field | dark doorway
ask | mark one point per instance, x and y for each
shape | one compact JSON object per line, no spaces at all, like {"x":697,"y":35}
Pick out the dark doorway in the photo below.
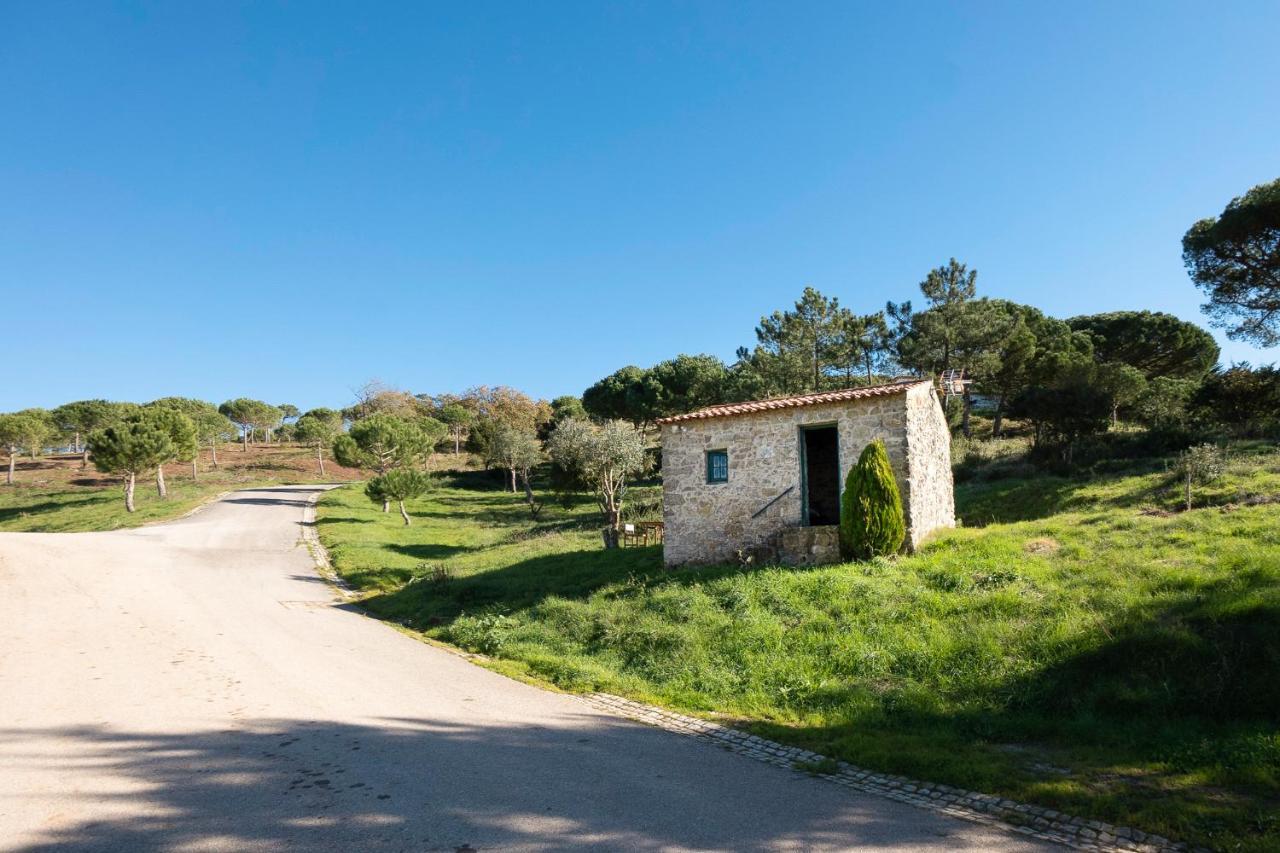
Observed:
{"x":821,"y":464}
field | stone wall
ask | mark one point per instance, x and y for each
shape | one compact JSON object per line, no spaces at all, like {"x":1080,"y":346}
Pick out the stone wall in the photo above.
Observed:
{"x":930,"y":497}
{"x":713,"y":522}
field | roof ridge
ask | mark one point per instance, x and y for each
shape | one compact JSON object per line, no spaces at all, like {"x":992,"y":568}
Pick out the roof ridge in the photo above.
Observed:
{"x":795,"y":401}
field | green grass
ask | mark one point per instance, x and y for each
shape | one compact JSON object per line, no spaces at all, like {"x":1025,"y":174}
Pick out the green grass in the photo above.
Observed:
{"x":57,"y":509}
{"x":1078,"y":644}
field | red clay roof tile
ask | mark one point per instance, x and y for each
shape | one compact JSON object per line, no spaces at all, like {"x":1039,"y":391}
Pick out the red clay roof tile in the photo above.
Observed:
{"x":730,"y":409}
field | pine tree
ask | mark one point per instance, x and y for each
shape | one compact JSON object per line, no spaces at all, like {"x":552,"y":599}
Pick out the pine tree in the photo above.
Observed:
{"x":871,"y":518}
{"x":399,"y":485}
{"x":132,"y":447}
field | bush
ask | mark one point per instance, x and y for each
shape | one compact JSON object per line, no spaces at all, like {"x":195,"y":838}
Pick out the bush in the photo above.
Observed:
{"x":871,"y":519}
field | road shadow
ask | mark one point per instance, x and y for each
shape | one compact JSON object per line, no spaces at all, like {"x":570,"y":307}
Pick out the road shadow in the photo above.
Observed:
{"x":590,"y":782}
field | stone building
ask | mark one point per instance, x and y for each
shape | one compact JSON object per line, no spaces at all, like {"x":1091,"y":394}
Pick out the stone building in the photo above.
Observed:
{"x":763,"y":479}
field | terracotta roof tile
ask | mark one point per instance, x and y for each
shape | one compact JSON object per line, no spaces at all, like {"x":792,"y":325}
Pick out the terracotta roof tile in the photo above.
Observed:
{"x":731,"y":409}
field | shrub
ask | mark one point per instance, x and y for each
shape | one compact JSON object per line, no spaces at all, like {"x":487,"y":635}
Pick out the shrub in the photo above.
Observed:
{"x":871,"y":519}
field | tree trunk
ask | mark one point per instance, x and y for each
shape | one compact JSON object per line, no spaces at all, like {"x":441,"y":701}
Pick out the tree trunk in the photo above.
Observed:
{"x":457,"y":439}
{"x":245,"y":435}
{"x":320,"y":457}
{"x":213,"y":451}
{"x":160,"y":488}
{"x":513,"y":481}
{"x":386,"y":506}
{"x":528,"y":490}
{"x":997,"y":422}
{"x":76,"y":446}
{"x":195,"y":470}
{"x":614,"y":520}
{"x":1188,"y":490}
{"x":84,"y":459}
{"x":13,"y":454}
{"x":404,"y":513}
{"x":129,"y":482}
{"x":610,"y":537}
{"x":964,"y":417}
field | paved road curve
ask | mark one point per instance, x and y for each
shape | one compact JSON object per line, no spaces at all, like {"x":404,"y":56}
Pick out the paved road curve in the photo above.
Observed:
{"x":194,"y":686}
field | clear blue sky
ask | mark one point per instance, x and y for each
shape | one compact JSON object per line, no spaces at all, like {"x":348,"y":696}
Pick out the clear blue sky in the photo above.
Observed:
{"x":282,"y":201}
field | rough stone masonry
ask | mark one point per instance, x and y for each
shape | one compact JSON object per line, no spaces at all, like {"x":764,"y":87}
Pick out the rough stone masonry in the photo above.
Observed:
{"x":740,"y":479}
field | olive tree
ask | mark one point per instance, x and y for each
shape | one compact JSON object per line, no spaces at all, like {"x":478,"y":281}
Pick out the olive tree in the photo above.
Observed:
{"x":1202,"y":463}
{"x":399,"y":485}
{"x":603,"y":457}
{"x":519,"y":452}
{"x":319,"y":427}
{"x":132,"y":447}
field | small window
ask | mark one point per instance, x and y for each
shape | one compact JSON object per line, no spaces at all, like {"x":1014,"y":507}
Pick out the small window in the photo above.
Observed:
{"x":717,"y":466}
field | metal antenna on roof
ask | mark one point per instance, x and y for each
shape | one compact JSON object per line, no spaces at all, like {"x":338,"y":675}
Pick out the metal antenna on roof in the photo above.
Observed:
{"x":953,"y":383}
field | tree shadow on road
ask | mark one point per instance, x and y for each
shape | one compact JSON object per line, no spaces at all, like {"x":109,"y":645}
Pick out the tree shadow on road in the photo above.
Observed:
{"x":588,"y":782}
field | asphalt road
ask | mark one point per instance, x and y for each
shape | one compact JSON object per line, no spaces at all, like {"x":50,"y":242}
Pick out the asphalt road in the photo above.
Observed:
{"x":196,"y":686}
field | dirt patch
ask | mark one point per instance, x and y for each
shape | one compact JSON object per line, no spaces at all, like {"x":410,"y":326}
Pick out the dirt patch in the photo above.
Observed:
{"x":1041,"y":545}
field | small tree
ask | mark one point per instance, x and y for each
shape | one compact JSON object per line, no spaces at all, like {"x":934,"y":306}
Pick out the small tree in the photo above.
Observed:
{"x":18,"y":432}
{"x":458,"y":420}
{"x":603,"y":457}
{"x":130,"y":448}
{"x":399,"y":485}
{"x":871,"y":518}
{"x":1202,"y":463}
{"x":182,"y":439}
{"x":519,"y":452}
{"x":83,"y":417}
{"x":319,"y":427}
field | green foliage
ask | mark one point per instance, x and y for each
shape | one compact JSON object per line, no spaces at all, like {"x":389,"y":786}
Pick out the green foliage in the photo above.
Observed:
{"x":603,"y":457}
{"x":24,"y":431}
{"x":84,"y":416}
{"x":134,"y":446}
{"x":1064,"y":414}
{"x":1155,"y":343}
{"x":872,"y":523}
{"x":1163,"y":404}
{"x":382,"y":442}
{"x":318,"y":426}
{"x":1243,"y":398}
{"x":180,"y":429}
{"x":210,"y":424}
{"x":250,"y":414}
{"x":1235,"y":259}
{"x":1200,"y":464}
{"x":630,"y":394}
{"x":400,"y":485}
{"x":566,"y":407}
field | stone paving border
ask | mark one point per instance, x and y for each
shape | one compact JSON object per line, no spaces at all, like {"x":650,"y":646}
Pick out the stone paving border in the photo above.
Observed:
{"x":1033,"y":821}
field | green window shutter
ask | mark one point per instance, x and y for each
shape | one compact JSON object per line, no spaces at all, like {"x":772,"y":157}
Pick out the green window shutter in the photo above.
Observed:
{"x":717,"y":466}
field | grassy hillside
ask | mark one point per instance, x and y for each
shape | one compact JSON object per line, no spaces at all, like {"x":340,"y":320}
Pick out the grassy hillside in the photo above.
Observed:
{"x":1079,"y":643}
{"x":53,"y":494}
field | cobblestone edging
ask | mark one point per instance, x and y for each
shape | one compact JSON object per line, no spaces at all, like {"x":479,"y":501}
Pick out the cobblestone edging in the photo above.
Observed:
{"x":1033,"y":821}
{"x":311,"y":539}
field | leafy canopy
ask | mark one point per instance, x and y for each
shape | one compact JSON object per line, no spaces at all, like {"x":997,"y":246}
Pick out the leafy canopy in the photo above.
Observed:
{"x":1235,"y":259}
{"x":132,"y":447}
{"x":1155,"y":343}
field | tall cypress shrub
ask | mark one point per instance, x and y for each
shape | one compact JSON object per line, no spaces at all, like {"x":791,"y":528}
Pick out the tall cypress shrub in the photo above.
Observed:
{"x":871,"y":518}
